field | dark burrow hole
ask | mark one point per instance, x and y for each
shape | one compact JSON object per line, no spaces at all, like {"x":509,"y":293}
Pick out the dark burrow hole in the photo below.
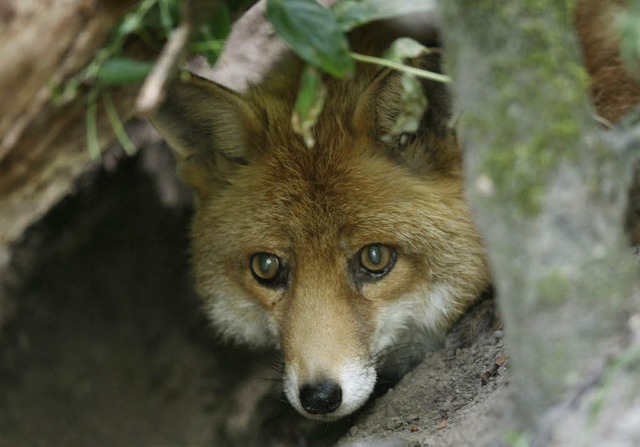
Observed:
{"x":107,"y":345}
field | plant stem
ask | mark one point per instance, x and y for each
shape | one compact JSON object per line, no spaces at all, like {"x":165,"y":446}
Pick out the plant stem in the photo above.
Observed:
{"x":401,"y":67}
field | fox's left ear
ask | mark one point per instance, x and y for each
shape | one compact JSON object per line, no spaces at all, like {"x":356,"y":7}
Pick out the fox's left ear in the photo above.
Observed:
{"x":381,"y":104}
{"x":210,"y":128}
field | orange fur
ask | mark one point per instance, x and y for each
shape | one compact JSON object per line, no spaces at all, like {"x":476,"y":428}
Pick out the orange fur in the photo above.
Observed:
{"x":613,"y":89}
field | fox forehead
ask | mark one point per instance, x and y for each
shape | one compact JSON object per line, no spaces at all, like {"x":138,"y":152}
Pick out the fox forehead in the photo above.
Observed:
{"x":335,"y":197}
{"x":347,"y":188}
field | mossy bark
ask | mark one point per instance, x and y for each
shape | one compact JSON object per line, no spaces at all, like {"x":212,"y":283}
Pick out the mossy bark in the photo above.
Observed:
{"x":548,"y":194}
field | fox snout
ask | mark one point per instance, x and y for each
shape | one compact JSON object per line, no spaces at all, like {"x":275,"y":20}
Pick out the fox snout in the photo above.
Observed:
{"x":322,"y":397}
{"x":329,"y":396}
{"x":325,"y":339}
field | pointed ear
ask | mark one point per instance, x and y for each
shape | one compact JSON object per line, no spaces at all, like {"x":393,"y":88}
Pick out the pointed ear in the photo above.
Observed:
{"x":210,"y":128}
{"x":382,"y":102}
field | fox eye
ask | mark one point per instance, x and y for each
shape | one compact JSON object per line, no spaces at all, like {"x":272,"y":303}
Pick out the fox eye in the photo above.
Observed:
{"x":377,"y":259}
{"x":266,"y":268}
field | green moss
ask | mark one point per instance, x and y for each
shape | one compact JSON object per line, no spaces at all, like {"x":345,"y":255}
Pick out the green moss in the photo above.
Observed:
{"x":535,"y":82}
{"x":553,"y":288}
{"x":519,"y":439}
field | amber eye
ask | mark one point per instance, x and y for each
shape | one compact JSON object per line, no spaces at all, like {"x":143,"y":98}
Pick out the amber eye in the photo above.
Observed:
{"x":265,"y":267}
{"x":377,"y":259}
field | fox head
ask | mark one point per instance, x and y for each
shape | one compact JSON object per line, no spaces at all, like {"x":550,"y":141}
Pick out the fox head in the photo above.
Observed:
{"x":332,"y":254}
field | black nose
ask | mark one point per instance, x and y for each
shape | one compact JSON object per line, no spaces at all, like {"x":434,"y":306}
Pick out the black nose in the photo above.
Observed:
{"x":321,"y":397}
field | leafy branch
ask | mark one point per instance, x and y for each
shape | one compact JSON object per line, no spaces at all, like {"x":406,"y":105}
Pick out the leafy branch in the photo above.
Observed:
{"x":152,"y":22}
{"x":317,"y":35}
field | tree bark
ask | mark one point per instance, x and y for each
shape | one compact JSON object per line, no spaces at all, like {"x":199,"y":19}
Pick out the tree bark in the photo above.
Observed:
{"x":548,"y":192}
{"x":42,"y":147}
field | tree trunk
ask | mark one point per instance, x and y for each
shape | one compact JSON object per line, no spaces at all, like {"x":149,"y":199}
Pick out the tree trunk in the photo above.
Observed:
{"x":549,"y":194}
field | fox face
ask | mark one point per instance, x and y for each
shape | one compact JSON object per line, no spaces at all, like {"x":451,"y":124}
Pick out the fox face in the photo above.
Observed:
{"x":334,"y":254}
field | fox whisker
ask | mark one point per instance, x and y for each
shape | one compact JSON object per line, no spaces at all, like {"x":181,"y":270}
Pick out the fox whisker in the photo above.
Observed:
{"x":274,"y":361}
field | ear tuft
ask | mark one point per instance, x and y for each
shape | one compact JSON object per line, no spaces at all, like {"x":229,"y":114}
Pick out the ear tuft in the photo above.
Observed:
{"x":210,"y":128}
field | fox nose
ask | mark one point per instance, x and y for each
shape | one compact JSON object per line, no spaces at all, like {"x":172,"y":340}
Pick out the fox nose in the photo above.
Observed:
{"x":321,"y":397}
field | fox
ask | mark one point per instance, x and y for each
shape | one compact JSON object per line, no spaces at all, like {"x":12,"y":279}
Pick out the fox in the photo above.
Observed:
{"x":336,"y":255}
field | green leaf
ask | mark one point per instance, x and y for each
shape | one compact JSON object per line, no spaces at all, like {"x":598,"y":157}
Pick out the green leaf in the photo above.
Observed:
{"x":118,"y":127}
{"x":93,"y":143}
{"x":352,"y":13}
{"x":414,"y":105}
{"x":309,"y":104}
{"x":404,"y":48}
{"x":65,"y":93}
{"x":169,"y":14}
{"x":220,"y":24}
{"x":210,"y":49}
{"x":213,"y":35}
{"x":313,"y":32}
{"x":122,"y":71}
{"x":412,"y":94}
{"x":132,"y":22}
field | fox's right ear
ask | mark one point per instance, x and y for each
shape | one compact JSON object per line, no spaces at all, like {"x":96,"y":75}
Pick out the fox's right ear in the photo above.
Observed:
{"x":210,"y":129}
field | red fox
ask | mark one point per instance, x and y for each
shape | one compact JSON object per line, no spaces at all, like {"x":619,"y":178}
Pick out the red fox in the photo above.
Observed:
{"x":337,"y":254}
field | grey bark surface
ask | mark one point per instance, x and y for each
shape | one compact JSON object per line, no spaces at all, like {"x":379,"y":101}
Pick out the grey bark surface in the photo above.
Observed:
{"x":549,"y":196}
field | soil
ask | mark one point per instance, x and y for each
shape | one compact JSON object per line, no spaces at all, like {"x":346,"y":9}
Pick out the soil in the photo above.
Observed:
{"x":452,"y":399}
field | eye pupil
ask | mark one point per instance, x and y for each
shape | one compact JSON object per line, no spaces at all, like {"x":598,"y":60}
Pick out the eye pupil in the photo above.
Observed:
{"x":377,"y":259}
{"x":374,"y":253}
{"x":266,"y":263}
{"x":265,"y":267}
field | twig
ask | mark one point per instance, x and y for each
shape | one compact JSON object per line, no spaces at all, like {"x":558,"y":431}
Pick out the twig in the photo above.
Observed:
{"x":152,"y":89}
